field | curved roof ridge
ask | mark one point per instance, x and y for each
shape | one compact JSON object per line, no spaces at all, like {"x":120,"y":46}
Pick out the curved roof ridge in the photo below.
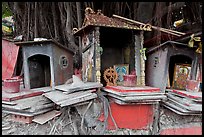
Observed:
{"x":99,"y":19}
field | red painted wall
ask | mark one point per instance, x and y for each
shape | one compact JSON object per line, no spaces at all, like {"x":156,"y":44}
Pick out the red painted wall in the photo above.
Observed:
{"x":9,"y":58}
{"x":131,"y":116}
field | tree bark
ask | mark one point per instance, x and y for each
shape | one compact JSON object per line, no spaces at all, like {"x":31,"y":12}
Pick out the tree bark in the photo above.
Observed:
{"x":55,"y":18}
{"x":145,"y":16}
{"x":68,"y":26}
{"x":79,"y":20}
{"x":36,"y":24}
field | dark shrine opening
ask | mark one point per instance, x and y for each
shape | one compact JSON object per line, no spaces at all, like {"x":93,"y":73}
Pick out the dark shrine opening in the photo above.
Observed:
{"x":39,"y":71}
{"x":118,"y":48}
{"x":177,"y":59}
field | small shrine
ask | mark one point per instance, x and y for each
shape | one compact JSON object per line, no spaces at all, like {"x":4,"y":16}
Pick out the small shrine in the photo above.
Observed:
{"x":111,"y":42}
{"x":113,"y":54}
{"x":46,"y":63}
{"x":172,"y":64}
{"x":176,"y":68}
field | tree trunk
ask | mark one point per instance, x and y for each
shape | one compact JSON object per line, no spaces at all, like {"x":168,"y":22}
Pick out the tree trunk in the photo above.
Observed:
{"x":55,"y":22}
{"x":35,"y":29}
{"x":79,"y":20}
{"x":68,"y":26}
{"x":144,"y":17}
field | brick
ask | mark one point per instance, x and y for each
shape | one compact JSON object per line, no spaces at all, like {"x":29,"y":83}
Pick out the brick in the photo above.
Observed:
{"x":22,"y":119}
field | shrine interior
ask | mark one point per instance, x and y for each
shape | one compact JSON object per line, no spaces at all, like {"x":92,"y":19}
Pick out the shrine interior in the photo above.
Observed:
{"x":118,"y":48}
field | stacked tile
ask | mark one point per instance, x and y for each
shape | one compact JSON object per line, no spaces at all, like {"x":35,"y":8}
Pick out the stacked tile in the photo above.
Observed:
{"x":184,"y":102}
{"x":28,"y":107}
{"x":133,"y":95}
{"x":72,"y":94}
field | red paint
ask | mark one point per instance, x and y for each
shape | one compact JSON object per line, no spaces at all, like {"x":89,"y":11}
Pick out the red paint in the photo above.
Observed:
{"x":133,"y":72}
{"x":12,"y":84}
{"x":19,"y":95}
{"x":133,"y":89}
{"x":9,"y":58}
{"x":196,"y":130}
{"x":78,"y":73}
{"x":130,"y":116}
{"x":190,"y":96}
{"x":129,"y":80}
{"x":22,"y":119}
{"x":192,"y":85}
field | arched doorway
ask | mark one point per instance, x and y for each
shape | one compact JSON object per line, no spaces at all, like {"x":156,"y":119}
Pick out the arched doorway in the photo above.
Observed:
{"x":39,"y":71}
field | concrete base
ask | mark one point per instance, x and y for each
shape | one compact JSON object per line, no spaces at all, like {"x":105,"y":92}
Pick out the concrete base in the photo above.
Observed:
{"x":138,"y":116}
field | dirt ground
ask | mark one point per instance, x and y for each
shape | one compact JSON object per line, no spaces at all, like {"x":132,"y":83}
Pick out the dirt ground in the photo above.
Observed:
{"x":10,"y":127}
{"x":64,"y":127}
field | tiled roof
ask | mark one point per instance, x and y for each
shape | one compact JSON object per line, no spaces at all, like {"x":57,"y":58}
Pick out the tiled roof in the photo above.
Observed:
{"x":98,"y":19}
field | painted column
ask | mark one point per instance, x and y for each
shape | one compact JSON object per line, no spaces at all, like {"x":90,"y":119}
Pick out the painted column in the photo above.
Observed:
{"x":143,"y":58}
{"x":137,"y":58}
{"x":97,"y":55}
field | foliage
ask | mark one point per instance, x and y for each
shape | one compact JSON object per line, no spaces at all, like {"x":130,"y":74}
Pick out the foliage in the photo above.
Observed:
{"x":6,"y":10}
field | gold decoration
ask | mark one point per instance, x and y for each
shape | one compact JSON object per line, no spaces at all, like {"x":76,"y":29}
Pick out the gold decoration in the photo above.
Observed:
{"x":195,"y":39}
{"x":142,"y":53}
{"x":148,"y":27}
{"x":89,"y":10}
{"x":178,"y":22}
{"x":142,"y":27}
{"x":98,"y":76}
{"x":74,"y":30}
{"x":110,"y":75}
{"x":99,"y":12}
{"x":142,"y":60}
{"x":199,"y":49}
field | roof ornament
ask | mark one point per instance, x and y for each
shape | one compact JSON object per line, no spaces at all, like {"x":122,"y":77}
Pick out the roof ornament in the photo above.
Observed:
{"x":145,"y":27}
{"x":148,"y":27}
{"x":142,"y":26}
{"x":88,"y":10}
{"x":99,"y":12}
{"x":74,"y":30}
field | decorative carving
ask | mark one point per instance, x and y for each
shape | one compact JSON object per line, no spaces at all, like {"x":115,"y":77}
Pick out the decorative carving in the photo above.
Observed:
{"x":146,"y":27}
{"x":74,"y":30}
{"x":89,"y":10}
{"x":142,"y":57}
{"x":97,"y":54}
{"x":99,"y":12}
{"x":110,"y":75}
{"x":98,"y":76}
{"x":142,"y":53}
{"x":141,"y":26}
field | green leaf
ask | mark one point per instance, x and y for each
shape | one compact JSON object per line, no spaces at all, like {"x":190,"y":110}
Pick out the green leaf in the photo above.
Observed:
{"x":6,"y":10}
